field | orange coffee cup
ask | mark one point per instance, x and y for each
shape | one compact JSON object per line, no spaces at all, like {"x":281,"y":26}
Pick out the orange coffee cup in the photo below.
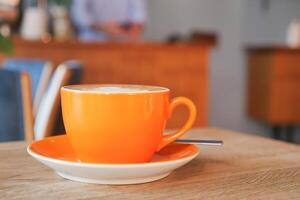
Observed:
{"x":120,"y":123}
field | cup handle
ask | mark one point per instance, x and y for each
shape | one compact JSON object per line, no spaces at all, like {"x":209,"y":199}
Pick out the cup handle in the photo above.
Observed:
{"x":167,"y":139}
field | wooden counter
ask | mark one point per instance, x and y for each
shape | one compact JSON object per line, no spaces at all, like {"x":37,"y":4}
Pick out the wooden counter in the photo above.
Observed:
{"x":274,"y":85}
{"x":182,"y":67}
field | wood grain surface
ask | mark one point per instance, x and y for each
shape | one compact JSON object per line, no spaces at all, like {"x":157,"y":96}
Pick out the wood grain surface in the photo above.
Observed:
{"x":246,"y":167}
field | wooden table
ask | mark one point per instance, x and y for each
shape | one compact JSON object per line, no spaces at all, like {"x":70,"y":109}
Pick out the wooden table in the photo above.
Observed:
{"x":246,"y":167}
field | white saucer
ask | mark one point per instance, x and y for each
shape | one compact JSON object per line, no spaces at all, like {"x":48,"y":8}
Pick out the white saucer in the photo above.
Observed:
{"x":56,"y":153}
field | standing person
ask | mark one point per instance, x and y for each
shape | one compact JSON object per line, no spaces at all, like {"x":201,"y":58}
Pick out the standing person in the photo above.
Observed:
{"x":100,"y":20}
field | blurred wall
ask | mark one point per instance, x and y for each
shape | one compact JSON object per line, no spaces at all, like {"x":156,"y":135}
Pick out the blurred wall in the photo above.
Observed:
{"x":268,"y":25}
{"x":237,"y":22}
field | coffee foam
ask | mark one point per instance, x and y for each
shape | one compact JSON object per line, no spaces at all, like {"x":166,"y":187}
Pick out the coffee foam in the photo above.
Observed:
{"x":114,"y":89}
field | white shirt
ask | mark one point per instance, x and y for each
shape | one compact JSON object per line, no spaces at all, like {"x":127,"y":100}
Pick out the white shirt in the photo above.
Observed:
{"x":88,"y":12}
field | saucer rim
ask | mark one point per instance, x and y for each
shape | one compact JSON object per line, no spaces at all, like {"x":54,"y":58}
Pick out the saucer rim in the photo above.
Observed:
{"x":111,"y":165}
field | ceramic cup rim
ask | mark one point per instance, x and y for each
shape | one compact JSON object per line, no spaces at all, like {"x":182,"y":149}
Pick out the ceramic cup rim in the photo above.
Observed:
{"x":73,"y":89}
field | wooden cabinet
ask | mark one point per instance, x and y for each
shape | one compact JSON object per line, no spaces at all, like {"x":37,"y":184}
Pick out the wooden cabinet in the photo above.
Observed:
{"x":274,"y":85}
{"x":181,"y":67}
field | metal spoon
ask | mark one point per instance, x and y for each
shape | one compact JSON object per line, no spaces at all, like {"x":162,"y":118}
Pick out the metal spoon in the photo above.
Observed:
{"x":202,"y":142}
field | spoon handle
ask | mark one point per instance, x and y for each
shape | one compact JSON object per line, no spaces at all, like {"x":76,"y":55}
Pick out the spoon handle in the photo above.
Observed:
{"x":202,"y":142}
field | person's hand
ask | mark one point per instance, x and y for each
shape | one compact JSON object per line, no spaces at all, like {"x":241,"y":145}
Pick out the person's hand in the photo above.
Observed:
{"x":115,"y":30}
{"x":110,"y":27}
{"x":134,"y":32}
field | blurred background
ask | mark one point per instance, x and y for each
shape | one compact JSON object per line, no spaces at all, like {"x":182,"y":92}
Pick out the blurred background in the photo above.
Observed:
{"x":237,"y":59}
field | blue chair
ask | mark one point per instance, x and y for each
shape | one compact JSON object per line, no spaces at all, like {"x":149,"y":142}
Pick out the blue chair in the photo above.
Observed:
{"x":16,"y":119}
{"x":48,"y":118}
{"x":76,"y":69}
{"x":40,"y":72}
